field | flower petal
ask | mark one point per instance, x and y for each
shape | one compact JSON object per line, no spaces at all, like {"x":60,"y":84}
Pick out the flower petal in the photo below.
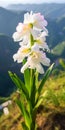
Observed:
{"x":25,"y":66}
{"x":40,"y":68}
{"x":17,"y":36}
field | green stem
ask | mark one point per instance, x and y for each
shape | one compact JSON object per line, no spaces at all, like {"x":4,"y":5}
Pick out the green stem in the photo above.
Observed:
{"x":32,"y":100}
{"x":33,"y":123}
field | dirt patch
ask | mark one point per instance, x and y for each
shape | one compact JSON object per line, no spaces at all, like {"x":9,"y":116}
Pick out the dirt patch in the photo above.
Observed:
{"x":51,"y":121}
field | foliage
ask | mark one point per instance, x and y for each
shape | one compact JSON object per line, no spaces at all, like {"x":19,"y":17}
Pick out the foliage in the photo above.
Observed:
{"x":62,"y":63}
{"x":54,"y":84}
{"x":54,"y":93}
{"x":59,"y":49}
{"x":33,"y":102}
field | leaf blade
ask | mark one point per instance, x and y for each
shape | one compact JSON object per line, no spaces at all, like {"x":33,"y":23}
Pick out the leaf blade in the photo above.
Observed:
{"x":45,"y":78}
{"x":24,"y":112}
{"x":19,"y":84}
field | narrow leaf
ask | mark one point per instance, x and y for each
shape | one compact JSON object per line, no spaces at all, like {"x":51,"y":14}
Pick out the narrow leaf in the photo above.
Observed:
{"x":45,"y":78}
{"x":19,"y":84}
{"x":24,"y":112}
{"x":24,"y":126}
{"x":27,"y":79}
{"x":39,"y":102}
{"x":33,"y":92}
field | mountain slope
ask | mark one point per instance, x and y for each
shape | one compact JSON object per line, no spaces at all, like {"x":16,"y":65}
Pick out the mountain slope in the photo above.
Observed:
{"x":56,"y":27}
{"x":52,"y":10}
{"x":9,"y":21}
{"x":7,"y":49}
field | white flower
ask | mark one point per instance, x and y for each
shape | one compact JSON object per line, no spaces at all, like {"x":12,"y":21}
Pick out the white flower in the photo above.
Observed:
{"x":22,"y":53}
{"x":36,"y":19}
{"x":25,"y":41}
{"x":33,"y":24}
{"x":41,"y":41}
{"x":31,"y":35}
{"x":35,"y":61}
{"x":21,"y":31}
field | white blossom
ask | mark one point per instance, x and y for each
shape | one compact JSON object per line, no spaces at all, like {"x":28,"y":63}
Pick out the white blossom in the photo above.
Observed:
{"x":25,"y":41}
{"x":41,"y":41}
{"x":36,"y":19}
{"x":22,"y":53}
{"x":31,"y":35}
{"x":21,"y":31}
{"x":35,"y":61}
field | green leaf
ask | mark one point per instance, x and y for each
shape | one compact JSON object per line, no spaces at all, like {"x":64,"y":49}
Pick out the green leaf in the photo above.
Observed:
{"x":25,"y":113}
{"x":24,"y":126}
{"x":45,"y":78}
{"x":27,"y":79}
{"x":19,"y":84}
{"x":33,"y":92}
{"x":39,"y":102}
{"x":36,"y":79}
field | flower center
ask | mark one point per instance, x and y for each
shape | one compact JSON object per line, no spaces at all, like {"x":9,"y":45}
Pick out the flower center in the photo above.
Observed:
{"x":39,"y":41}
{"x":26,"y":50}
{"x":26,"y":28}
{"x":35,"y":55}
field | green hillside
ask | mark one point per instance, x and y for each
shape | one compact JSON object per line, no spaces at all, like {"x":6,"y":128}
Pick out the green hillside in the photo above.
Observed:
{"x":53,"y":105}
{"x":59,"y":50}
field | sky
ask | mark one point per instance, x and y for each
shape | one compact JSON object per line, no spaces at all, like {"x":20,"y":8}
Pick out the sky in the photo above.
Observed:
{"x":7,"y":2}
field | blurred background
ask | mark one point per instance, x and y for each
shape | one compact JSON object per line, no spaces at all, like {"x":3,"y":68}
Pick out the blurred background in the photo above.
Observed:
{"x":11,"y":13}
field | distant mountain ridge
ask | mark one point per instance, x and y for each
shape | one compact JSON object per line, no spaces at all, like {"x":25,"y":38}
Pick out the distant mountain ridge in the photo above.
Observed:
{"x":10,"y":17}
{"x":9,"y":20}
{"x":52,"y":10}
{"x":56,"y":27}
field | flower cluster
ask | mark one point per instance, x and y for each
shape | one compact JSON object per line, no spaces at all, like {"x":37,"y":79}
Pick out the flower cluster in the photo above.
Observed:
{"x":31,"y":35}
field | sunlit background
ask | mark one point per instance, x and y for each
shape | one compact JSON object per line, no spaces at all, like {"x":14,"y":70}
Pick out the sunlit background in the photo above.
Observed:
{"x":7,"y":2}
{"x":11,"y":13}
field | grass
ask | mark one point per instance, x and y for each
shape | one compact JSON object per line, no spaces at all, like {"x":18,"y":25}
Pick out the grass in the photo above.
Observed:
{"x":54,"y":91}
{"x":13,"y":120}
{"x":3,"y":99}
{"x":53,"y":98}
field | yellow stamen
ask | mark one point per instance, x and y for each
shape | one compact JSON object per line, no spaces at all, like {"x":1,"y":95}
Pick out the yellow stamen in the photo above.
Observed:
{"x":26,"y":27}
{"x":26,"y":50}
{"x":39,"y":41}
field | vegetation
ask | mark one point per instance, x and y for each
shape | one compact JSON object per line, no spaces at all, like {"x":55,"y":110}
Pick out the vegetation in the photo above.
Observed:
{"x":59,"y":49}
{"x":53,"y":103}
{"x":52,"y":110}
{"x":56,"y":39}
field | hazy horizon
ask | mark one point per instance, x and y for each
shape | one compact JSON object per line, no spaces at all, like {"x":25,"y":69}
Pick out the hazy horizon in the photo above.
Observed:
{"x":5,"y":3}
